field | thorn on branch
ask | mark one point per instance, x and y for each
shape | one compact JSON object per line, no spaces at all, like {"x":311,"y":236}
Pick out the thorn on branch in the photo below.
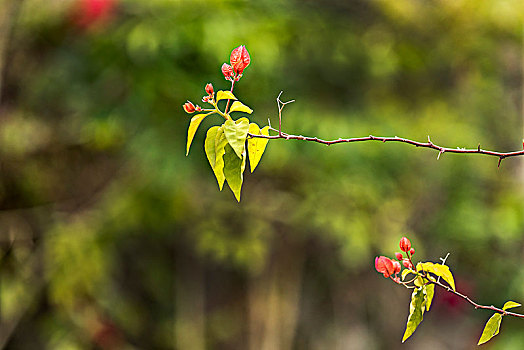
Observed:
{"x":500,"y":160}
{"x":439,"y":153}
{"x":478,"y":148}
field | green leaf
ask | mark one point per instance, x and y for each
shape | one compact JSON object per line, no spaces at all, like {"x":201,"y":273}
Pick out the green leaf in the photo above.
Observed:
{"x":225,"y":95}
{"x":416,"y":312}
{"x":430,"y":291}
{"x":491,"y":329}
{"x":439,"y":270}
{"x":193,"y":126}
{"x":406,"y":272}
{"x":209,"y":145}
{"x":220,"y":144}
{"x":236,"y":133}
{"x":215,"y":152}
{"x":238,"y":106}
{"x":256,"y":146}
{"x":419,"y":281}
{"x":233,"y":170}
{"x":510,"y":304}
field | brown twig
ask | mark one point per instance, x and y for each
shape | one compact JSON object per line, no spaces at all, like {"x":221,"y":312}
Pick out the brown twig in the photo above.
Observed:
{"x":441,"y":150}
{"x":429,"y":144}
{"x":476,"y":305}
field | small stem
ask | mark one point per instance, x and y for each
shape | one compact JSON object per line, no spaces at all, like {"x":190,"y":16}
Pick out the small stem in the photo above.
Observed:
{"x":217,"y":110}
{"x":232,"y":86}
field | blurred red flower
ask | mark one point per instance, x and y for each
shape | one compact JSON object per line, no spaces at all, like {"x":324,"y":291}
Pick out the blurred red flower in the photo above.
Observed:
{"x":90,"y":13}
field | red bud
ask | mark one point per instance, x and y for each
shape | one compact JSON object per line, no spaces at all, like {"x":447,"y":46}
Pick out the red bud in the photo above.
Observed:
{"x":412,"y":251}
{"x":209,"y":89}
{"x":405,"y":244}
{"x":398,"y":256}
{"x":239,"y":59}
{"x":189,"y":107}
{"x":227,"y":70}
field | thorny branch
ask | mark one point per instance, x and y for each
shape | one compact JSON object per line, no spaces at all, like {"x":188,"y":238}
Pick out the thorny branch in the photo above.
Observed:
{"x":477,"y":306}
{"x":441,"y":150}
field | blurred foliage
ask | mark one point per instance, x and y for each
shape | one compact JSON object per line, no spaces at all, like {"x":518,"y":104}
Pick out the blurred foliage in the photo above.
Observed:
{"x":113,"y":239}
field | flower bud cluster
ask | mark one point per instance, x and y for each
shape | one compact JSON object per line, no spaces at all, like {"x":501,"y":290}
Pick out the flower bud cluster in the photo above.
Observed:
{"x":210,"y":93}
{"x":389,"y":267}
{"x":238,"y":60}
{"x":189,"y":107}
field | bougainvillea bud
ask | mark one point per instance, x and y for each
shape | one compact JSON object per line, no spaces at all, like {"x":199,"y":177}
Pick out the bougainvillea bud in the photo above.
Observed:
{"x":405,"y":244}
{"x":239,"y":59}
{"x":412,"y":251}
{"x":396,"y":266}
{"x":384,"y":266}
{"x":398,"y":256}
{"x":189,"y":107}
{"x":407,"y":264}
{"x":227,"y":70}
{"x":209,"y":89}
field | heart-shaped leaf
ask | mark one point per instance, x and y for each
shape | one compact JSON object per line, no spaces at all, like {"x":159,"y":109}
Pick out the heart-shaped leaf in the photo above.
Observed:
{"x":236,"y":133}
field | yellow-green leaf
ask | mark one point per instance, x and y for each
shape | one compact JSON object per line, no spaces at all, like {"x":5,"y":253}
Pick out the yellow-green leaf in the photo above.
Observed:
{"x":210,"y":146}
{"x":193,"y":126}
{"x":236,"y":133}
{"x":416,"y":312}
{"x":439,"y":270}
{"x":419,"y":281}
{"x":491,"y":329}
{"x":406,"y":272}
{"x":238,"y":106}
{"x":255,"y":145}
{"x":220,"y":144}
{"x":233,"y":170}
{"x":429,"y":290}
{"x":510,"y":304}
{"x":225,"y":95}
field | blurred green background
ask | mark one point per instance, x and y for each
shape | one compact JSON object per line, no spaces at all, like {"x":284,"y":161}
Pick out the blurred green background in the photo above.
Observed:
{"x":111,"y":238}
